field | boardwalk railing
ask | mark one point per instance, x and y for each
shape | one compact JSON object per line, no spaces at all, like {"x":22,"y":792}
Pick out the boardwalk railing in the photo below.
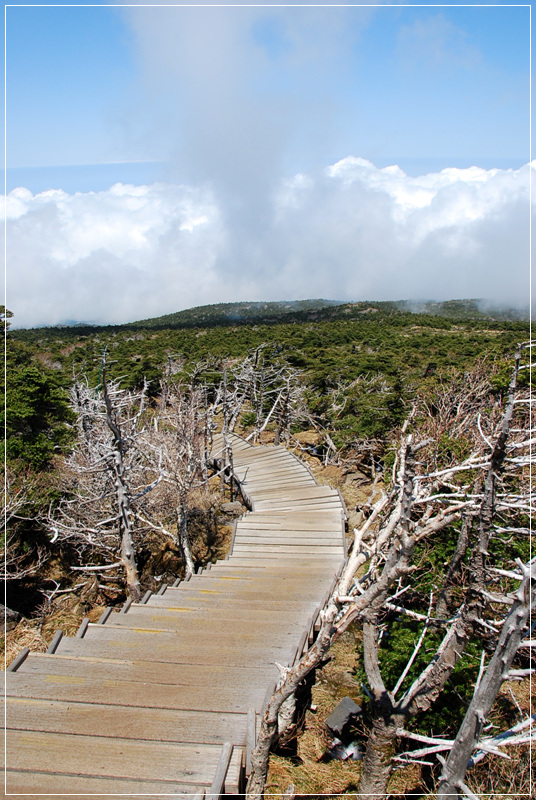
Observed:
{"x":163,"y":697}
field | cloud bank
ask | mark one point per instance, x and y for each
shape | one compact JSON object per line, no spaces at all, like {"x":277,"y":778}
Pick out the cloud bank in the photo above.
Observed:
{"x":350,"y":231}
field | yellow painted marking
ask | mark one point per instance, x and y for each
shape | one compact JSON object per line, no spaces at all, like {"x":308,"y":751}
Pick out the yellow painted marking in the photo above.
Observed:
{"x":209,"y":591}
{"x":22,"y":739}
{"x":156,"y":617}
{"x":65,"y":679}
{"x":26,"y":700}
{"x":137,"y":630}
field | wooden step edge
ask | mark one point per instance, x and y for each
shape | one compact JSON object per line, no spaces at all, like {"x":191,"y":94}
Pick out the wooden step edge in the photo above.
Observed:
{"x":251,"y":739}
{"x":58,"y":636}
{"x":104,"y":616}
{"x":217,"y":789}
{"x":83,"y":628}
{"x":126,"y":606}
{"x":18,"y":660}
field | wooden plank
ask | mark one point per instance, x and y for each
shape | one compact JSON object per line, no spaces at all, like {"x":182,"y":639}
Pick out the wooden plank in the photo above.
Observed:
{"x":259,"y":550}
{"x":196,"y":612}
{"x":283,"y":490}
{"x":322,"y":521}
{"x":108,"y":757}
{"x":83,"y":628}
{"x":292,"y":524}
{"x":207,"y":622}
{"x":131,"y":722}
{"x":273,"y":605}
{"x":104,"y":616}
{"x":27,"y":784}
{"x":126,"y":606}
{"x":322,"y":567}
{"x":18,"y":660}
{"x":290,"y":489}
{"x":58,"y":636}
{"x":217,"y":788}
{"x":287,"y":537}
{"x":81,"y":671}
{"x":251,"y":738}
{"x":270,"y":582}
{"x":304,"y":538}
{"x":290,"y":497}
{"x":169,"y":650}
{"x":228,"y":699}
{"x":320,"y":500}
{"x":267,"y":475}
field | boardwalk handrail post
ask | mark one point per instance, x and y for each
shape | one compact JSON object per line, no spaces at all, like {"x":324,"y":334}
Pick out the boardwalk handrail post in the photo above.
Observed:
{"x":218,"y":784}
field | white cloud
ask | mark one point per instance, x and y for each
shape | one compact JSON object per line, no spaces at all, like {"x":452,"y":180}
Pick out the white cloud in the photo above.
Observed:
{"x":351,"y":231}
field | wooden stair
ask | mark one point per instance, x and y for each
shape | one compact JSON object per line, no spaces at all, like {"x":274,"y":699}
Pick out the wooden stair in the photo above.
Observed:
{"x":163,"y":698}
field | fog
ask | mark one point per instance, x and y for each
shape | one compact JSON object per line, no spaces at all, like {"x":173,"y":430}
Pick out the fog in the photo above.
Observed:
{"x":349,"y":231}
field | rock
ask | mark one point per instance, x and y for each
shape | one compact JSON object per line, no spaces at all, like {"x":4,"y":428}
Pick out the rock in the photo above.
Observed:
{"x":8,"y":617}
{"x":342,"y":714}
{"x":234,"y":509}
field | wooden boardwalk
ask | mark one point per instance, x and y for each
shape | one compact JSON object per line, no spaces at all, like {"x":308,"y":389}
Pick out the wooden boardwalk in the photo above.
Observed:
{"x":164,"y":696}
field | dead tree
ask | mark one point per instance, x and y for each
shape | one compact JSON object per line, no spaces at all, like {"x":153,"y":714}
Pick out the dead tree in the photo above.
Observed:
{"x":468,"y":738}
{"x":267,"y":387}
{"x":104,"y":479}
{"x":179,"y":448}
{"x":432,"y":490}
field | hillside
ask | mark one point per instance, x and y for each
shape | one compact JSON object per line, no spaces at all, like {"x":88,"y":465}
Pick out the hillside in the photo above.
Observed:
{"x":237,"y":313}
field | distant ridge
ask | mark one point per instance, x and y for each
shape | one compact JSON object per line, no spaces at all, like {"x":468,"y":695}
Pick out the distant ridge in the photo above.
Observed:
{"x":297,"y":311}
{"x":269,"y":313}
{"x":245,"y":312}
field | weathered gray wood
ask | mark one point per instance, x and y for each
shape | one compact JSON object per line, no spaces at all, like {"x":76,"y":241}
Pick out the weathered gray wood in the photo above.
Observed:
{"x":168,"y":650}
{"x":217,"y":788}
{"x":162,"y":589}
{"x":18,"y":660}
{"x":251,"y":737}
{"x":104,"y":616}
{"x":108,"y":757}
{"x":29,"y":783}
{"x":83,"y":628}
{"x":137,"y":693}
{"x":126,"y":606}
{"x":301,"y":647}
{"x":55,"y":641}
{"x":146,"y":596}
{"x":127,"y":722}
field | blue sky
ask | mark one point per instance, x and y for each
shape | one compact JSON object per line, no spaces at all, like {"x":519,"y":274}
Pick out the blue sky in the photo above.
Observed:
{"x":234,"y":102}
{"x":448,"y":86}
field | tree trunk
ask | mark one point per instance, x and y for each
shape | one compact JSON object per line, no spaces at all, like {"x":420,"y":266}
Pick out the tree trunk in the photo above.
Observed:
{"x":381,"y":745}
{"x":128,"y":559}
{"x":184,"y":544}
{"x":469,"y":733}
{"x":128,"y":552}
{"x":445,"y":595}
{"x":287,"y":685}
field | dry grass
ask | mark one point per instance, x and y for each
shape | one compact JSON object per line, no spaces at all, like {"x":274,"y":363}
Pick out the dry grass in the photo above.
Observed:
{"x":65,"y":614}
{"x":498,"y":779}
{"x":311,"y":775}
